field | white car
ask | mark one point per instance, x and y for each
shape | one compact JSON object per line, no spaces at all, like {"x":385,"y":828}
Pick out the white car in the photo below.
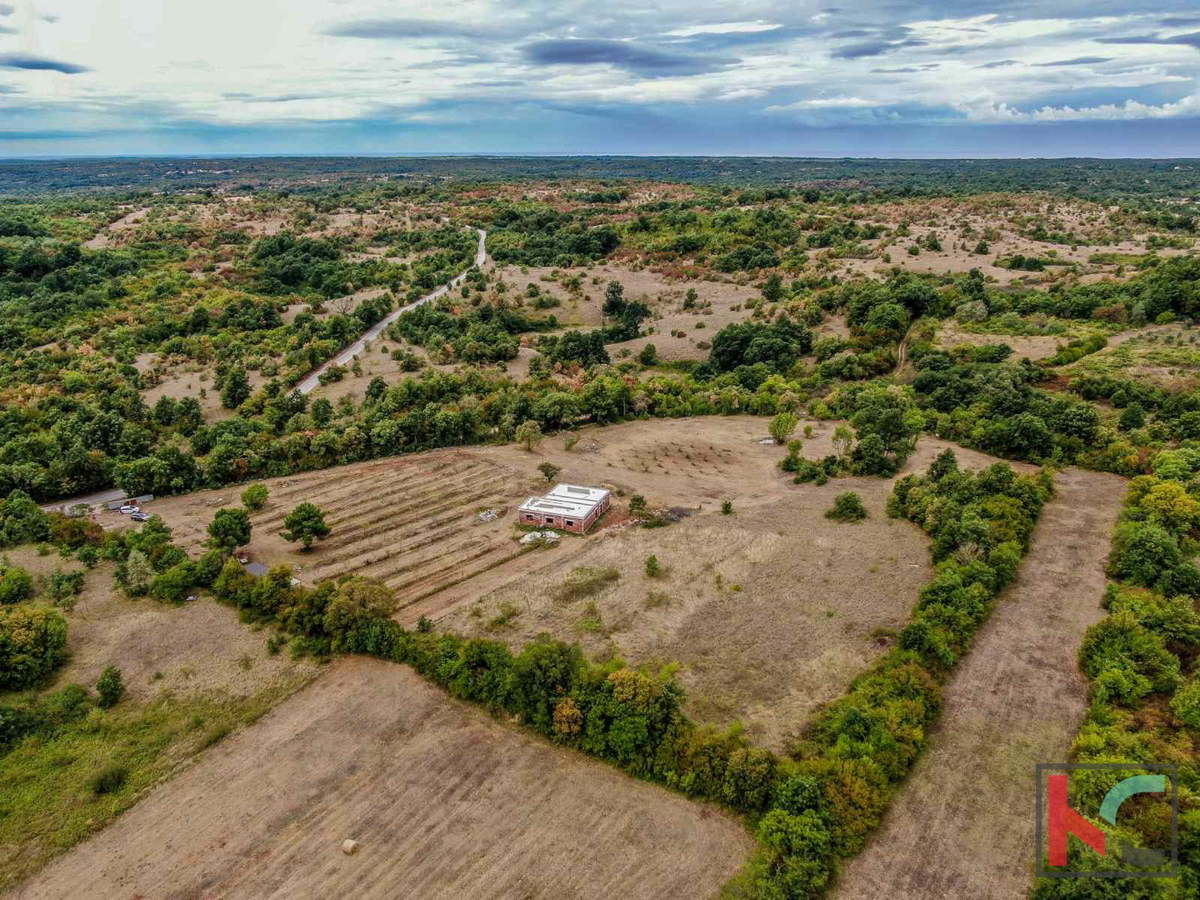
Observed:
{"x":129,"y":508}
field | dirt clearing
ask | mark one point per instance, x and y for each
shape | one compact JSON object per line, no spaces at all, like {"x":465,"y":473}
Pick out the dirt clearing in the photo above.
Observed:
{"x":444,"y":802}
{"x":769,"y":612}
{"x":963,"y":825}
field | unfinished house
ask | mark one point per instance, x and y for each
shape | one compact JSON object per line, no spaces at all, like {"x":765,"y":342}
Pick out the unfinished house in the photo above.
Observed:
{"x":569,"y":507}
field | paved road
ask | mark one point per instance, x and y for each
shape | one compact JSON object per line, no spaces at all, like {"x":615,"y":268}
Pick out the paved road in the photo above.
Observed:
{"x":88,"y":499}
{"x":309,"y":384}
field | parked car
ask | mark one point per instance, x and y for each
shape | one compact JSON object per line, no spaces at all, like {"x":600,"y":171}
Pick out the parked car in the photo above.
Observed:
{"x":140,"y":516}
{"x":129,"y":508}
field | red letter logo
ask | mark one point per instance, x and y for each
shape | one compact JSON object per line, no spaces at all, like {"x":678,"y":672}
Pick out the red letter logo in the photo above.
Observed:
{"x":1064,"y":821}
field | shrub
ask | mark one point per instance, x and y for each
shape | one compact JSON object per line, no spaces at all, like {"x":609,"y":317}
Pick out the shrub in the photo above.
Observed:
{"x":549,"y":471}
{"x":847,"y":507}
{"x":782,"y":426}
{"x":584,"y":581}
{"x":33,"y":641}
{"x":653,"y":569}
{"x":1142,"y":552}
{"x":110,"y":687}
{"x":1186,"y":704}
{"x":255,"y":497}
{"x":16,"y":584}
{"x":109,"y":780}
{"x":726,"y":507}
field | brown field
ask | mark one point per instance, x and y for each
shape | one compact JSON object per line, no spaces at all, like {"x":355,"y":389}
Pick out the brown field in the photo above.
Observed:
{"x":769,"y":612}
{"x":411,"y":521}
{"x":444,"y":802}
{"x":963,"y":826}
{"x":408,"y":521}
{"x":198,"y":647}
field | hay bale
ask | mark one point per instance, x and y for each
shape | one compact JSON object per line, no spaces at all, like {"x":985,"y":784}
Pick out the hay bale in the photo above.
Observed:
{"x":349,"y":847}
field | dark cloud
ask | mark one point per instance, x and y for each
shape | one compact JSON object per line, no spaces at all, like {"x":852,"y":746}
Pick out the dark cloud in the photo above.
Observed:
{"x":49,"y":17}
{"x":4,"y":29}
{"x":898,"y":71}
{"x":852,"y":33}
{"x":7,"y":9}
{"x":39,"y":63}
{"x":1179,"y":21}
{"x":1076,"y":61}
{"x":1000,"y":64}
{"x":1188,"y":40}
{"x":874,"y":48}
{"x":623,"y":54}
{"x":410,"y":28}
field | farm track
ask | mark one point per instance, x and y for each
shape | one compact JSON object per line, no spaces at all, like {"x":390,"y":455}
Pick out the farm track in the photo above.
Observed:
{"x":963,"y":823}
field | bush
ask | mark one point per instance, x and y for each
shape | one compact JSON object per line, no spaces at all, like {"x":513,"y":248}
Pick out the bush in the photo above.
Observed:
{"x":584,"y":581}
{"x":33,"y":641}
{"x":653,"y":569}
{"x":109,"y":780}
{"x":726,"y":507}
{"x":16,"y":585}
{"x":1143,"y":552}
{"x":110,"y":687}
{"x":255,"y":497}
{"x":847,"y":507}
{"x":1186,"y":704}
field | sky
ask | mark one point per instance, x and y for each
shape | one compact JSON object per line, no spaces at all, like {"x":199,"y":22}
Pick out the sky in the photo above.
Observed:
{"x":757,"y":77}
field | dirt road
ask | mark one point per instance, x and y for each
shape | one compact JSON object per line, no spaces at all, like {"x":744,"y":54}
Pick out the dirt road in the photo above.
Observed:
{"x":445,"y":804}
{"x":963,"y":825}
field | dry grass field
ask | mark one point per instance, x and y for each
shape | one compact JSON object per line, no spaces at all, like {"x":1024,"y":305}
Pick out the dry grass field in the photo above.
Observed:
{"x":192,"y":675}
{"x":769,"y":612}
{"x":445,"y":803}
{"x":964,"y":824}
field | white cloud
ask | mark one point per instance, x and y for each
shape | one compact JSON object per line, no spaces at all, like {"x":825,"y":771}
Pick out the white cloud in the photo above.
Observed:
{"x":1130,"y":109}
{"x":726,"y":28}
{"x":833,"y":103}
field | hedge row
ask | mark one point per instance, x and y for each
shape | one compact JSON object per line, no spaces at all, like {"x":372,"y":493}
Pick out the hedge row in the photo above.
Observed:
{"x":1145,"y":689}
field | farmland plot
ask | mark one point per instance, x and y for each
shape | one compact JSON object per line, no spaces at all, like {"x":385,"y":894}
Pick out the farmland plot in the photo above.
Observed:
{"x":410,"y":522}
{"x":444,"y":802}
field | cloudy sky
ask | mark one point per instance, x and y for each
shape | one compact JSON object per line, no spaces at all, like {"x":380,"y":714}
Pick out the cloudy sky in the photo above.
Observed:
{"x":945,"y":78}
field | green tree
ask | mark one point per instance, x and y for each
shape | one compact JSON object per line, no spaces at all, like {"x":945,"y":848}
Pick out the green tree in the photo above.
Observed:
{"x":136,"y":573}
{"x":229,"y":529}
{"x":33,"y":641}
{"x":648,"y":355}
{"x":322,"y":412}
{"x":110,"y":687}
{"x":549,"y":470}
{"x":16,"y":584}
{"x":235,"y":390}
{"x":306,"y":524}
{"x":254,"y":498}
{"x":847,"y":507}
{"x":529,"y":435}
{"x":782,"y":426}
